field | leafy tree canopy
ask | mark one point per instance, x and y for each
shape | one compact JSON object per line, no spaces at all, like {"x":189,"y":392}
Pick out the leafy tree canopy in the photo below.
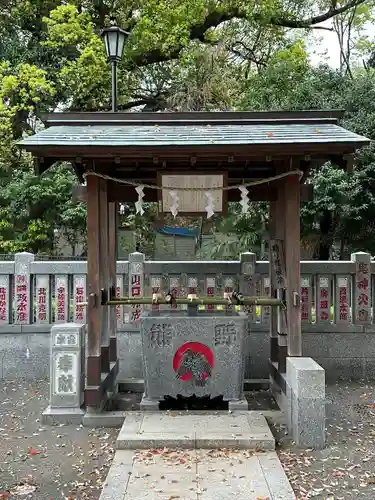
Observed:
{"x":181,"y":55}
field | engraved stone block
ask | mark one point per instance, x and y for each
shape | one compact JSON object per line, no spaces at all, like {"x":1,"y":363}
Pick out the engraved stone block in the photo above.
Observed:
{"x":200,"y":355}
{"x":67,"y":365}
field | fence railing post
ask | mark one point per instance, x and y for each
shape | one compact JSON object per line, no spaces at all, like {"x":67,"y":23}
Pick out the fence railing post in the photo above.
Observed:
{"x":136,"y":283}
{"x":247,"y":286}
{"x":23,"y":314}
{"x":362,"y":288}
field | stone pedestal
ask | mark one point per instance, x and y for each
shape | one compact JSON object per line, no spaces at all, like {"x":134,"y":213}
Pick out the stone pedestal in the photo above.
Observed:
{"x":306,"y":401}
{"x":66,"y":374}
{"x":174,"y":341}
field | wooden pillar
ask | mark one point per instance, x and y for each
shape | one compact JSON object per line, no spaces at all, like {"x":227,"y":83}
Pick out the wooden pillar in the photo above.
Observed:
{"x":279,"y":275}
{"x":104,"y":273}
{"x":112,"y":258}
{"x":273,"y":224}
{"x":93,"y":278}
{"x":293,"y":263}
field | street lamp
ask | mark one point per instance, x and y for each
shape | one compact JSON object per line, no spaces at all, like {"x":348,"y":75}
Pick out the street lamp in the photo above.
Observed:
{"x":114,"y":41}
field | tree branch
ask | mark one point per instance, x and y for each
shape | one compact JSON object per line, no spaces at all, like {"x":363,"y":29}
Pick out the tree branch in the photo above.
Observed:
{"x":321,"y":18}
{"x":320,"y":28}
{"x":216,"y":18}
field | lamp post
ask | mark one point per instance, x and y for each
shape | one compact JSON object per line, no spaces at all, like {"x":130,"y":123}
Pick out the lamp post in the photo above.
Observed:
{"x":114,"y":41}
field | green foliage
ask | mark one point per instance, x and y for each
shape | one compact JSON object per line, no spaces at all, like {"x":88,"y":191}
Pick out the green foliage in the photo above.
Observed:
{"x":237,"y":233}
{"x":182,"y":55}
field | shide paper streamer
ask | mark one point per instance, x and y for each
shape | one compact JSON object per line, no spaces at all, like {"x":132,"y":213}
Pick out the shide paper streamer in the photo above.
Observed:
{"x":139,"y":203}
{"x":244,"y":199}
{"x":174,"y":206}
{"x":210,"y":205}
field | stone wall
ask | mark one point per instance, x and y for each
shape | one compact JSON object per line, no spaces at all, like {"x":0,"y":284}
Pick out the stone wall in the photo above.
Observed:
{"x":344,"y":355}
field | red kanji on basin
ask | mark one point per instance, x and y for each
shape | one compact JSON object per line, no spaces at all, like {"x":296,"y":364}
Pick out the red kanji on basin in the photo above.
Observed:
{"x":194,"y":360}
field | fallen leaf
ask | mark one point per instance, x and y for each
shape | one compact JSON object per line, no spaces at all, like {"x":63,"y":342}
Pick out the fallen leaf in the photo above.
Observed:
{"x":23,"y":489}
{"x":33,"y":451}
{"x":338,"y":473}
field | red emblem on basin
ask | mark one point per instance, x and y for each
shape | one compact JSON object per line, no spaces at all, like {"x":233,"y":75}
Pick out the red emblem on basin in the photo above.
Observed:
{"x":194,"y":361}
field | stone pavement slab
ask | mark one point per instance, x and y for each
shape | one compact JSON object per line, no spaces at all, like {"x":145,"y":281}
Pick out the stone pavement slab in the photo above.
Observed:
{"x":184,"y":474}
{"x":245,"y":430}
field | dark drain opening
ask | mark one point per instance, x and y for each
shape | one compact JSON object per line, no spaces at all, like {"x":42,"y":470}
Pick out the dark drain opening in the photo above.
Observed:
{"x":193,"y":403}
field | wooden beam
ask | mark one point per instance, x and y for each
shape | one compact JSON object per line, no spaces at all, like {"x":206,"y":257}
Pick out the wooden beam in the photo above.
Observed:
{"x":122,"y":193}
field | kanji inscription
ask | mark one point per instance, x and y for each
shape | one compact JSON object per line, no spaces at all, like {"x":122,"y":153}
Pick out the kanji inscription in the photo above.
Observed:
{"x":210,"y":284}
{"x":305,"y":298}
{"x":324,"y":299}
{"x":22,"y":299}
{"x":136,"y":291}
{"x":225,"y":334}
{"x":65,"y":384}
{"x":362,"y":289}
{"x":70,"y":339}
{"x":160,"y":335}
{"x":343,"y":295}
{"x":61,"y":292}
{"x":79,"y":297}
{"x":65,"y":372}
{"x":4,"y":299}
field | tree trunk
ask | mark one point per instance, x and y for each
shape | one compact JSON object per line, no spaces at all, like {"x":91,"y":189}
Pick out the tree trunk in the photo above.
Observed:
{"x":323,"y":250}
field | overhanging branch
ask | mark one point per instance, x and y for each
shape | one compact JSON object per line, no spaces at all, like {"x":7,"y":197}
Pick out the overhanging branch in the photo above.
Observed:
{"x":216,"y":18}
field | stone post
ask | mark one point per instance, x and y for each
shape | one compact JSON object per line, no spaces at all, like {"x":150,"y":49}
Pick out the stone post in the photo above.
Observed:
{"x":136,"y":285}
{"x":66,"y":374}
{"x":306,"y":402}
{"x":22,"y":288}
{"x":362,"y":288}
{"x":247,"y":270}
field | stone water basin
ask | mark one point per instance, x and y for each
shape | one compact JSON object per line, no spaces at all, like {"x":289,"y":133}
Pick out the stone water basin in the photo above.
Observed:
{"x":201,"y":354}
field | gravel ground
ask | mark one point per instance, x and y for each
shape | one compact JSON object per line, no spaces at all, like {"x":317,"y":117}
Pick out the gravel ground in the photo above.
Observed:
{"x":346,"y":468}
{"x":53,"y":463}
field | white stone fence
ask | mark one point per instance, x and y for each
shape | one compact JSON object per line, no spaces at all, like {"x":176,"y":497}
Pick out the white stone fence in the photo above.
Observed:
{"x":34,"y":294}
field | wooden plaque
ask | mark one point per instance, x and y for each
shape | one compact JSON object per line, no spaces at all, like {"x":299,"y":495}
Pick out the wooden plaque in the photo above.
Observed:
{"x":192,"y":202}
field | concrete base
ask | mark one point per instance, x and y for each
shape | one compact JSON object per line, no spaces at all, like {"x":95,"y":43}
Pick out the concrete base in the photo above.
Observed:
{"x":53,"y":416}
{"x":306,"y":396}
{"x":192,"y":474}
{"x":104,"y":419}
{"x":205,"y":430}
{"x":147,"y":404}
{"x":238,"y":405}
{"x":153,"y":405}
{"x":303,"y":401}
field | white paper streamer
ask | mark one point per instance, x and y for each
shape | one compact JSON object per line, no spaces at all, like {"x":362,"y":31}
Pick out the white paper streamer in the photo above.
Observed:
{"x":210,"y":209}
{"x":139,"y":203}
{"x":174,"y":206}
{"x":244,"y":199}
